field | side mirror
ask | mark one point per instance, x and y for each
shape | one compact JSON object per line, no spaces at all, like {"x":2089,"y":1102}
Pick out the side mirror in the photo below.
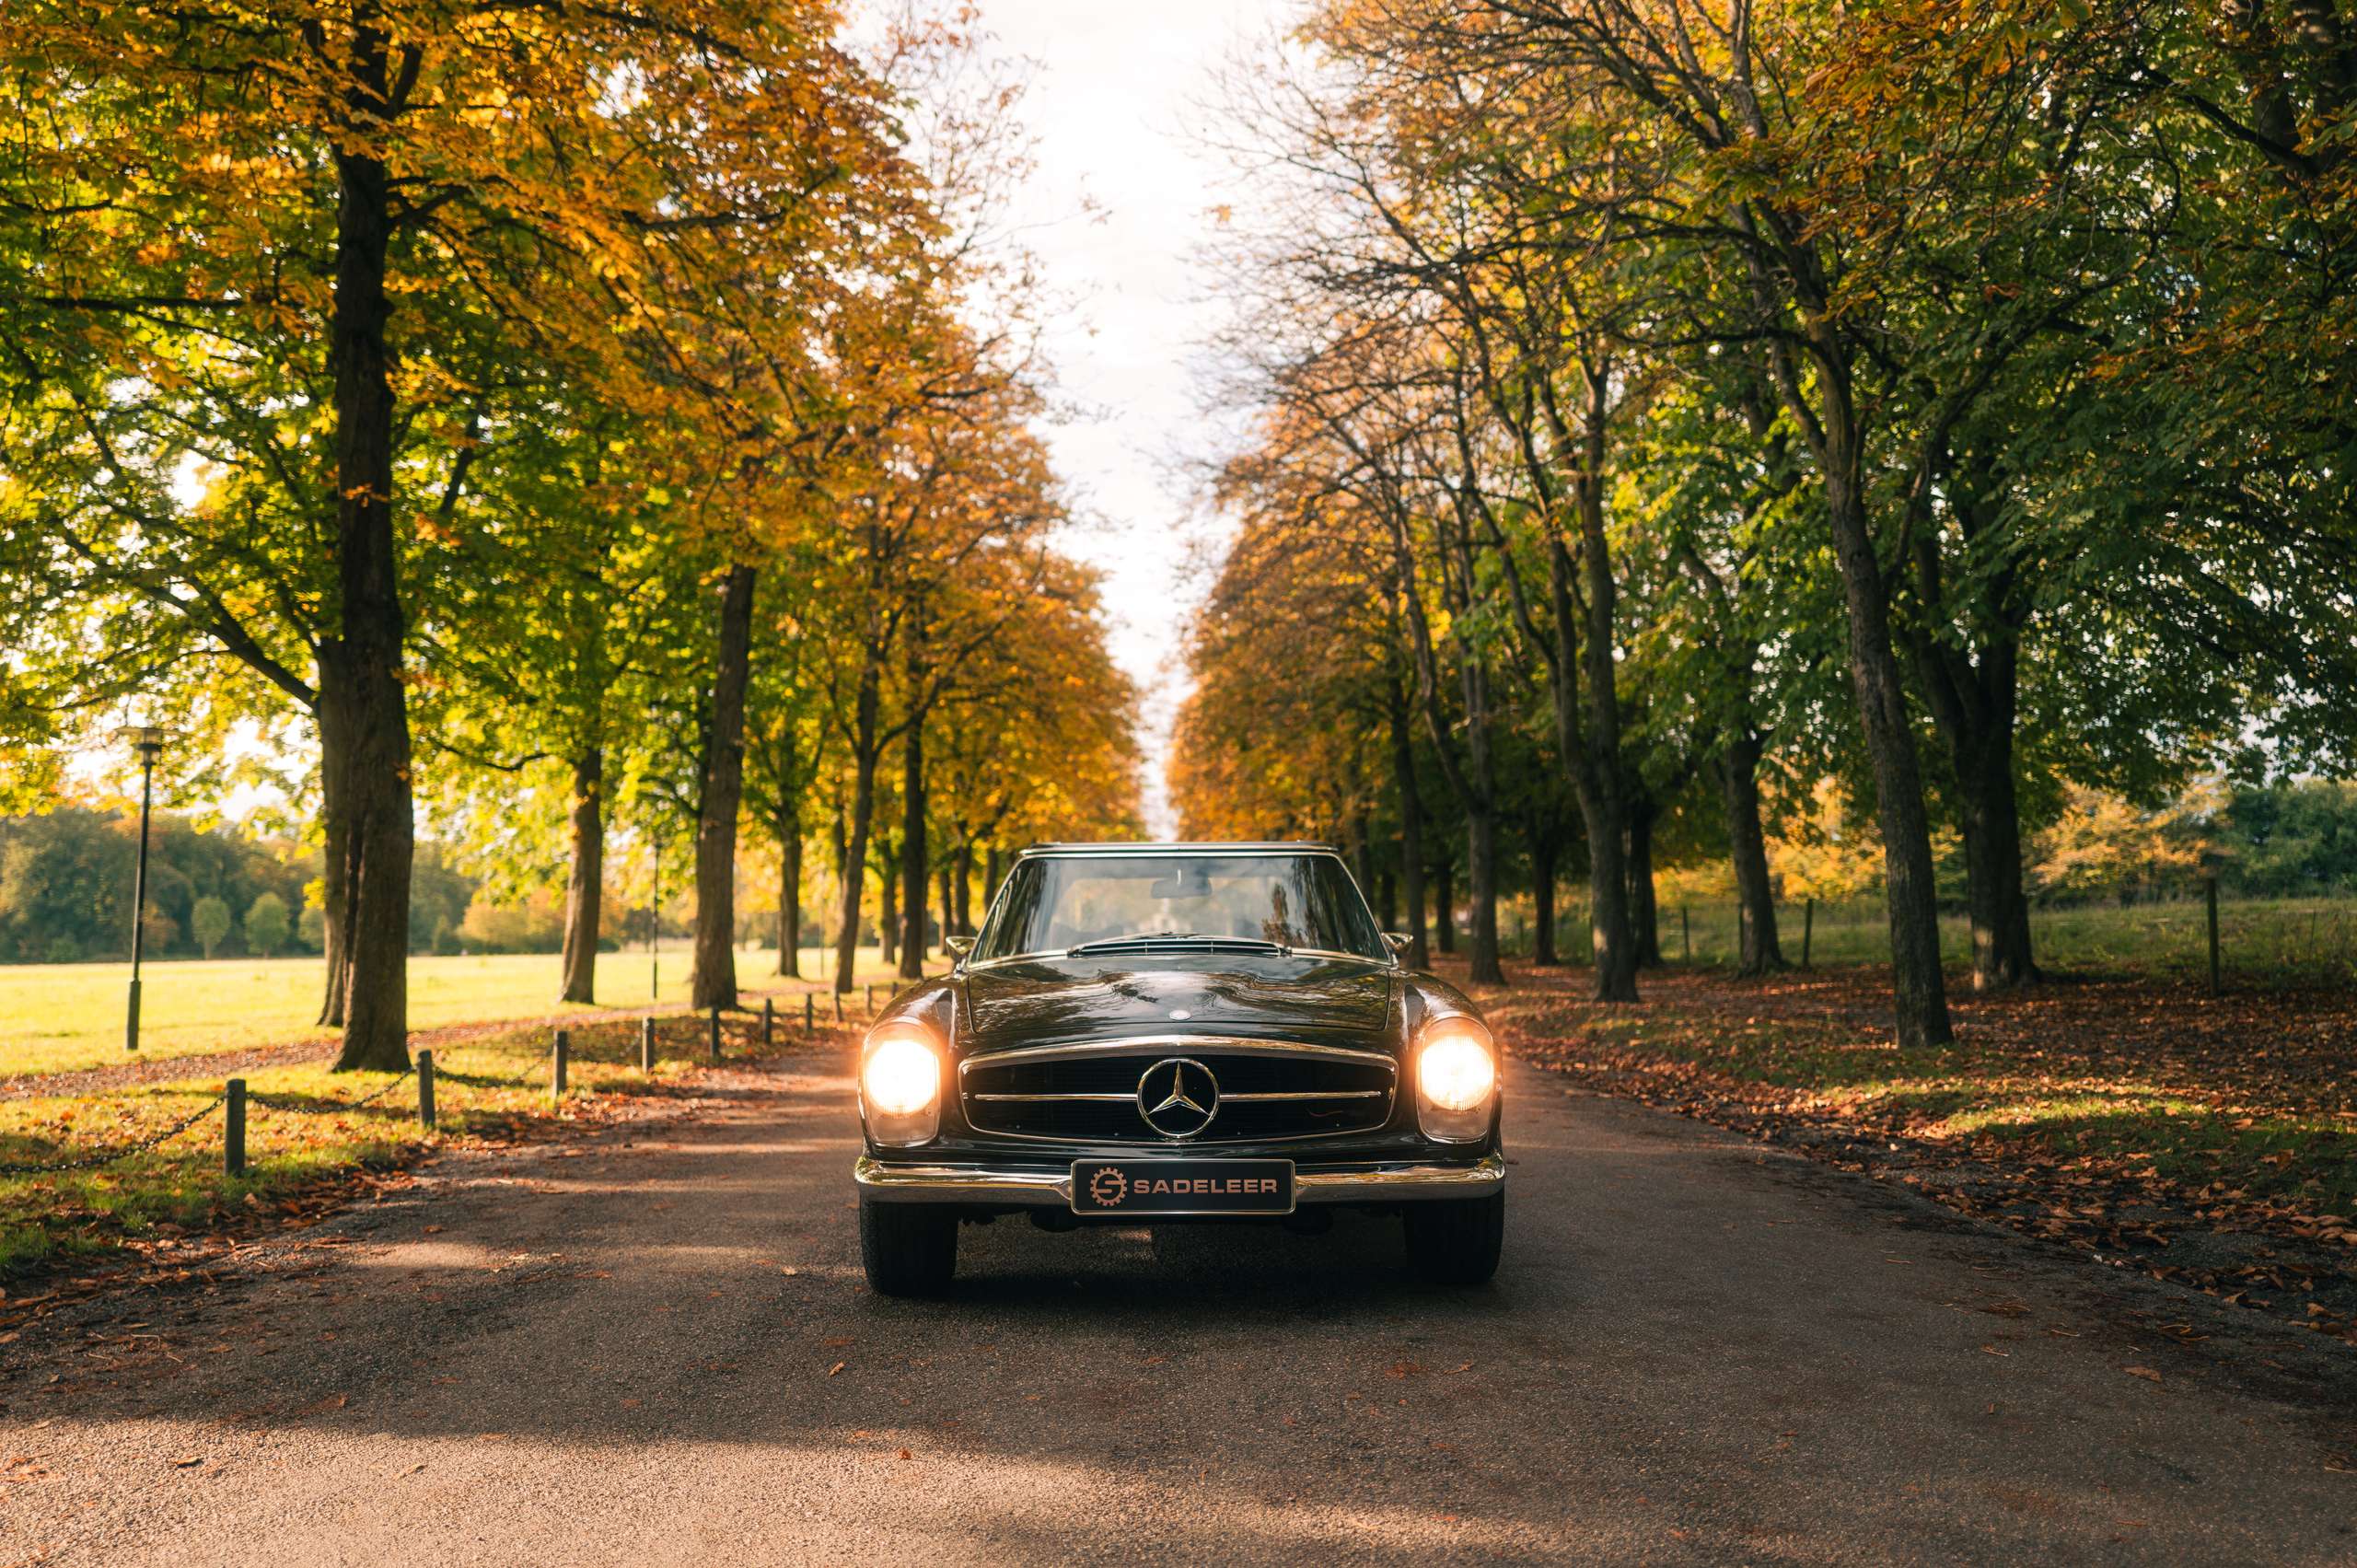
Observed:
{"x":958,"y":946}
{"x":1399,"y":941}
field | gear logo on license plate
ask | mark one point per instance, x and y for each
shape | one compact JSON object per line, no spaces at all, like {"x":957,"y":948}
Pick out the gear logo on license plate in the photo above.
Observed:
{"x":1148,"y":1187}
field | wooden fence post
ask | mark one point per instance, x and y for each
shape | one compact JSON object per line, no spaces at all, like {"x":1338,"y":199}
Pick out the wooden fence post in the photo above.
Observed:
{"x":1808,"y":930}
{"x":769,"y":1021}
{"x":809,"y":1014}
{"x":425,"y":1089}
{"x":647,"y":1045}
{"x":1685,"y":936}
{"x":716,"y":1031}
{"x":557,"y":1075}
{"x":2210,"y":897}
{"x":233,"y":1128}
{"x":839,"y":1007}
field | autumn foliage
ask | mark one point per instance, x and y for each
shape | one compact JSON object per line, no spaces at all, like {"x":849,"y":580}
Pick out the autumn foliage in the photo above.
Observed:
{"x":476,"y":401}
{"x":1682,"y":423}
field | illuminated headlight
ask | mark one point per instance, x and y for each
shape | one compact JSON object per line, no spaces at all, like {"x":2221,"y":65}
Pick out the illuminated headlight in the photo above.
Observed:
{"x":900,"y":1084}
{"x":1457,"y":1078}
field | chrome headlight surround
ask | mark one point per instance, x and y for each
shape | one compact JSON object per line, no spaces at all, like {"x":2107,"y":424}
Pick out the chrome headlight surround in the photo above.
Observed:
{"x":1455,"y":1069}
{"x":901,"y":1067}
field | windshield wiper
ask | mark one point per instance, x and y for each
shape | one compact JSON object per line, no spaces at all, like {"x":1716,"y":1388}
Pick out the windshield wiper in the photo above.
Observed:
{"x":1147,"y":938}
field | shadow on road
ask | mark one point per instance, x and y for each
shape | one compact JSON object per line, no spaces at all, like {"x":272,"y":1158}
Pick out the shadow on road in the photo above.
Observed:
{"x":657,"y":1338}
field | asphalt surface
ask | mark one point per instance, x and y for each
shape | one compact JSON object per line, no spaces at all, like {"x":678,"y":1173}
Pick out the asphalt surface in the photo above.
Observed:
{"x":652,"y":1345}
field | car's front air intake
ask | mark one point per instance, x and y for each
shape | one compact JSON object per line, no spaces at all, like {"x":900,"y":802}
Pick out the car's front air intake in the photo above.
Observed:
{"x":1180,"y":1088}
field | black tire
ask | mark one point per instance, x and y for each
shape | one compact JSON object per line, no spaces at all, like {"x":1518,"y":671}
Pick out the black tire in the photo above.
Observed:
{"x":1455,"y":1241}
{"x":908,"y":1249}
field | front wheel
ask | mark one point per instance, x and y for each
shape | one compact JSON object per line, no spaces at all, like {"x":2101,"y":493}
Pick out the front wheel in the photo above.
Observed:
{"x":908,"y":1249}
{"x":1456,"y":1241}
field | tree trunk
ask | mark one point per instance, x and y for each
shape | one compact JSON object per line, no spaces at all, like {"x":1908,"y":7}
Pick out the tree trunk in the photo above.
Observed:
{"x":333,"y":833}
{"x":1595,"y":771}
{"x":1411,"y":829}
{"x":363,"y":704}
{"x":1542,"y":891}
{"x":854,"y":857}
{"x":1974,"y":703}
{"x":888,"y":908}
{"x":1920,"y":990}
{"x":1445,"y":906}
{"x":994,"y":872}
{"x":1362,"y":855}
{"x":789,"y":891}
{"x":1482,"y":872}
{"x":835,"y":842}
{"x":913,"y":847}
{"x":584,"y":888}
{"x":1991,"y":820}
{"x":964,"y":886}
{"x":1748,"y":844}
{"x":945,"y":875}
{"x":1644,"y":907}
{"x":712,"y":981}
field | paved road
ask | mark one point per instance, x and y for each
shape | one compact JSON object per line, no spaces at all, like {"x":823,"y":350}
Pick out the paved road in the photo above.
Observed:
{"x":652,"y":1346}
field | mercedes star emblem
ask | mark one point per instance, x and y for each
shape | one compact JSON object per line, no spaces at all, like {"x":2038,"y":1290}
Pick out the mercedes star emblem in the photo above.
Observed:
{"x":1177,"y":1096}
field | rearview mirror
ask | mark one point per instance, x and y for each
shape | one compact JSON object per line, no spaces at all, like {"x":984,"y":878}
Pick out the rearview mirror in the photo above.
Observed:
{"x":958,"y":946}
{"x":1189,"y":883}
{"x":1397,"y":942}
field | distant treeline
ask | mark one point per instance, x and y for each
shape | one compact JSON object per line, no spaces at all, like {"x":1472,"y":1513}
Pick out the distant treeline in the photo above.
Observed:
{"x":65,"y":890}
{"x":65,"y":882}
{"x":2289,"y":840}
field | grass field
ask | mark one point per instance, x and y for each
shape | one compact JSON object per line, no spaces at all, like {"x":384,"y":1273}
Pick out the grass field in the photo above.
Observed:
{"x":2269,"y":941}
{"x":60,"y":1018}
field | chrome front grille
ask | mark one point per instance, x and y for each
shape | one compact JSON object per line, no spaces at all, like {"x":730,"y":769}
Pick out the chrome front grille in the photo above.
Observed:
{"x":1268,"y":1090}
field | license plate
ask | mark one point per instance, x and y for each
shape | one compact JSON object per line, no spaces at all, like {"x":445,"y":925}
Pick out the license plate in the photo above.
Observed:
{"x":1148,"y":1187}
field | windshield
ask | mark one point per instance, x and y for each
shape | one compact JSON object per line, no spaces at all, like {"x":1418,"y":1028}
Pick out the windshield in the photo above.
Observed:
{"x":1053,"y":902}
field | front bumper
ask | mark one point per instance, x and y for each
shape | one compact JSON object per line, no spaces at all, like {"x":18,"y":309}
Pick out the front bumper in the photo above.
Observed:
{"x":1002,"y":1186}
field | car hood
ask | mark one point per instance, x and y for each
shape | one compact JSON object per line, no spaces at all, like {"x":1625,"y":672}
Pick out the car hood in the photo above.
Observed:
{"x":1058,"y":1001}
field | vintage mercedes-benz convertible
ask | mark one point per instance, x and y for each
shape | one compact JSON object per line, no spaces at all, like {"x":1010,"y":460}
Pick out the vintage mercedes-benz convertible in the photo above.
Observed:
{"x":1157,"y":1034}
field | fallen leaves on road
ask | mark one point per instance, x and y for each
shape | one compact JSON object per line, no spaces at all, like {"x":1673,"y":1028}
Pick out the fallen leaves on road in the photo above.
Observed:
{"x":2144,"y":1372}
{"x":837,"y":1367}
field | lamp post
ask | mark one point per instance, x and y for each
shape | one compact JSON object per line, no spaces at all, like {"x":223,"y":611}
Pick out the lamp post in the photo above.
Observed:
{"x":148,"y":741}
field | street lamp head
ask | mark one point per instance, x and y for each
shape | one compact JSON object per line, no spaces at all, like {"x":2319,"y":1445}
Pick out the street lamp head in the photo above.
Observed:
{"x":147,"y":739}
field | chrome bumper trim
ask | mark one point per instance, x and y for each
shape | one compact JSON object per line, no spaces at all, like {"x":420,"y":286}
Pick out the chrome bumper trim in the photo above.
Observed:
{"x":896,"y":1183}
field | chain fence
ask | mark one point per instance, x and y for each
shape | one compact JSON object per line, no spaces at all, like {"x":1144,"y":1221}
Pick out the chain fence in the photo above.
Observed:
{"x":114,"y":1153}
{"x":119,"y":1152}
{"x":322,"y":1108}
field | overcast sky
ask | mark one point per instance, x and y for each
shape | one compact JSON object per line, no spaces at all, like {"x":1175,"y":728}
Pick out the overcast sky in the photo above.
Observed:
{"x":1113,"y":100}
